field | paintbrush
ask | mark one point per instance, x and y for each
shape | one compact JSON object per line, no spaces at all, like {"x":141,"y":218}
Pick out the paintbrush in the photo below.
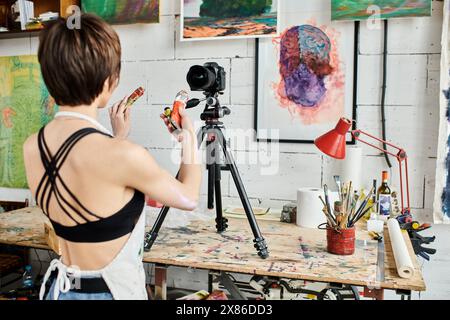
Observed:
{"x":344,"y":221}
{"x":363,"y":214}
{"x":337,"y":180}
{"x":362,"y":206}
{"x":352,"y":206}
{"x":349,"y":196}
{"x":344,"y":193}
{"x":325,"y":210}
{"x":355,"y":202}
{"x":327,"y":199}
{"x":330,"y":220}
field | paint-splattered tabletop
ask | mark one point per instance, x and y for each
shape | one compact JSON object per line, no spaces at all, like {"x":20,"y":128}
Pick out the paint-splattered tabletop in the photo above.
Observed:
{"x":295,"y":253}
{"x":23,"y":227}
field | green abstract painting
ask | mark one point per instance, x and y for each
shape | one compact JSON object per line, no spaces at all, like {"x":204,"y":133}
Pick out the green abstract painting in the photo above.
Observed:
{"x":25,"y":106}
{"x":379,"y":9}
{"x":123,"y":11}
{"x":224,"y":19}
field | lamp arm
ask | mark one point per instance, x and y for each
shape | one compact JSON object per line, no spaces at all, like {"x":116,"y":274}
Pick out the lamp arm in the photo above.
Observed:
{"x":401,"y":157}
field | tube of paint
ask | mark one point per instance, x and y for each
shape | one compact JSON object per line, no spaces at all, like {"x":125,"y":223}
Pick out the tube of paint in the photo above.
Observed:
{"x":139,"y":92}
{"x":180,"y":101}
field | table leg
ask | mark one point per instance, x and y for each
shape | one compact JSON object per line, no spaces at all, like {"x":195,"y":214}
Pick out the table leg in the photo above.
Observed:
{"x":404,"y":294}
{"x":211,"y":283}
{"x":160,"y":282}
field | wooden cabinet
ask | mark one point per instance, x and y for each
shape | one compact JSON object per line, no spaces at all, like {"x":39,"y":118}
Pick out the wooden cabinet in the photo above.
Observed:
{"x":40,"y":6}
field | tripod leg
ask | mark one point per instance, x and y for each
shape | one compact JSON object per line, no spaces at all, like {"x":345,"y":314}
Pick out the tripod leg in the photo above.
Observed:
{"x":221,"y":222}
{"x":151,"y":236}
{"x":210,"y":158}
{"x":260,"y":242}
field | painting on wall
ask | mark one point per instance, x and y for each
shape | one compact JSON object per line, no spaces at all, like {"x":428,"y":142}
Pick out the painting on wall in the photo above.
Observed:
{"x":442,"y":187}
{"x":381,"y":9}
{"x":305,"y":80}
{"x":224,"y":19}
{"x":25,"y":106}
{"x":123,"y":11}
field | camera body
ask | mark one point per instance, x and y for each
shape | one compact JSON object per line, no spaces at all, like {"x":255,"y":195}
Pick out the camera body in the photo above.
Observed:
{"x":210,"y":78}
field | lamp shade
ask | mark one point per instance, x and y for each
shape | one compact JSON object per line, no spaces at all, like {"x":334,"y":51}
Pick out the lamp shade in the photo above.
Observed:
{"x":333,"y":143}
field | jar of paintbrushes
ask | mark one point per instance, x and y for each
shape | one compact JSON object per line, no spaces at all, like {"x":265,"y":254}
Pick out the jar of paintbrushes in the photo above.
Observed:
{"x":341,"y":220}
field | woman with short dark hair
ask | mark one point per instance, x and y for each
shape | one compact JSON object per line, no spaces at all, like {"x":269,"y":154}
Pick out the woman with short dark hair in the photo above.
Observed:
{"x":90,"y":183}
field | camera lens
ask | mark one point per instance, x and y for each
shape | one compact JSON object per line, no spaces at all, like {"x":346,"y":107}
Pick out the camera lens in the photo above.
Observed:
{"x":201,"y":78}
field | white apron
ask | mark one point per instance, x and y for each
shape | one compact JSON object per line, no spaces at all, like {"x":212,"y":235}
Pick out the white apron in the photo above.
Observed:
{"x":124,"y":275}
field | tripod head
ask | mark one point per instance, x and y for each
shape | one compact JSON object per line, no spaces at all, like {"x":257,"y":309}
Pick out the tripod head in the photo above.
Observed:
{"x":213,"y":110}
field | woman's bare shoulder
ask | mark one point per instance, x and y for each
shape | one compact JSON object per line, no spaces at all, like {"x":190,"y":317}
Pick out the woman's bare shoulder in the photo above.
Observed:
{"x":114,"y":151}
{"x":123,"y":158}
{"x":131,"y":155}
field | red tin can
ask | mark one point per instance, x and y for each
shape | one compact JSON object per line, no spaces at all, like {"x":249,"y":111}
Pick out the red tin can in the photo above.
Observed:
{"x":341,"y":242}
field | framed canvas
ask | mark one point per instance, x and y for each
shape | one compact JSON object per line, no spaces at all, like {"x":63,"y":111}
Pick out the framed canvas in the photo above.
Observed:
{"x":123,"y":11}
{"x":306,"y":78}
{"x":385,"y":9}
{"x":441,"y":212}
{"x":225,"y":19}
{"x":25,"y":106}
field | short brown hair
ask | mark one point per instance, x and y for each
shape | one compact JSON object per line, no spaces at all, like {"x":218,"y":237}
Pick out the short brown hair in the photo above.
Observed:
{"x":75,"y":63}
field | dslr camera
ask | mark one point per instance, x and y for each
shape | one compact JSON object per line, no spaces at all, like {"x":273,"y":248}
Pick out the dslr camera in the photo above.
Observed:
{"x":209,"y":78}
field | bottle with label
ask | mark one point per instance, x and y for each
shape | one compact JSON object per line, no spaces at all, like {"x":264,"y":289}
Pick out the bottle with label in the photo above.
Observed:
{"x":384,"y":196}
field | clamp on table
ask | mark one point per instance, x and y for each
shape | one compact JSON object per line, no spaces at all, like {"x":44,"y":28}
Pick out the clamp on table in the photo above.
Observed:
{"x":413,"y":228}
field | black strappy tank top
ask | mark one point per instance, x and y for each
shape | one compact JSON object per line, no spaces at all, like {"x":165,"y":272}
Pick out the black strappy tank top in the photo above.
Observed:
{"x":98,"y":230}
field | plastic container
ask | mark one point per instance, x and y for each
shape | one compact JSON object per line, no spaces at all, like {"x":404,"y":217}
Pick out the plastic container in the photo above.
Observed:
{"x":375,"y":225}
{"x":341,"y":242}
{"x":27,"y":279}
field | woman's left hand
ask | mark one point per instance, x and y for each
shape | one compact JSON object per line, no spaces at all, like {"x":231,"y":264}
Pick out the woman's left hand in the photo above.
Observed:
{"x":120,"y":119}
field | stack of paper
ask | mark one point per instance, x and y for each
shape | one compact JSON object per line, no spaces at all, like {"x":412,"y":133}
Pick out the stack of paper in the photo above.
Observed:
{"x":26,"y":9}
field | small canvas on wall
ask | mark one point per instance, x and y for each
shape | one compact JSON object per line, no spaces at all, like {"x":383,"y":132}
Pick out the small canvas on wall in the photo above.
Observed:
{"x":123,"y":11}
{"x":225,"y":19}
{"x":305,"y":79}
{"x":381,"y":9}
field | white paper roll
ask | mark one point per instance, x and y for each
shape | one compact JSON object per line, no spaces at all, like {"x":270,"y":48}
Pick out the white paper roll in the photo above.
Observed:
{"x":351,"y":167}
{"x":405,"y":267}
{"x":309,"y":207}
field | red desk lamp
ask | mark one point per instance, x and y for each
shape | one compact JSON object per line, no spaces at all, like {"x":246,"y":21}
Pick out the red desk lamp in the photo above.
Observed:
{"x":333,"y":143}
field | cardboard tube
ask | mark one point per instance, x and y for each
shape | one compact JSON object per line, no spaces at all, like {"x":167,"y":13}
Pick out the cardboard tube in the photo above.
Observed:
{"x":405,"y":267}
{"x":351,"y":167}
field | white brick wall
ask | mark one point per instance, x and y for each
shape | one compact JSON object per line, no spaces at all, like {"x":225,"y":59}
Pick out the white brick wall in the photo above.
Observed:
{"x":155,"y":58}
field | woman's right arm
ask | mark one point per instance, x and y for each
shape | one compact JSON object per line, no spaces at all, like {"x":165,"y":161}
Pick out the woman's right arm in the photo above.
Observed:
{"x":144,"y":174}
{"x":140,"y":171}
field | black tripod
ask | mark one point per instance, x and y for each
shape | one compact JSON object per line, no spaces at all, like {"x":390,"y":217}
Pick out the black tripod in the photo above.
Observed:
{"x":215,"y":138}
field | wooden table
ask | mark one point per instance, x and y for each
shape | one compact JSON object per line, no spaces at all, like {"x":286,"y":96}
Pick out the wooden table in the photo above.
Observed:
{"x":295,"y":253}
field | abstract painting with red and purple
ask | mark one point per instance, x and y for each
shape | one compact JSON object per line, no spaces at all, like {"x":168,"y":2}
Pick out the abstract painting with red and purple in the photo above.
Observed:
{"x":311,"y":84}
